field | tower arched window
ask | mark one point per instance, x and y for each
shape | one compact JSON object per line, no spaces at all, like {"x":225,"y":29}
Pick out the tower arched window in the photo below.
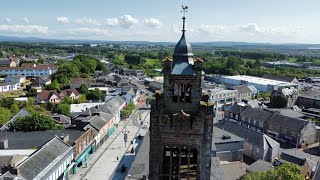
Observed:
{"x":175,"y":92}
{"x":188,"y":93}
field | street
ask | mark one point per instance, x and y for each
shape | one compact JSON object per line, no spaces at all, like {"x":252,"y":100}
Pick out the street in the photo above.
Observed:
{"x":104,"y":162}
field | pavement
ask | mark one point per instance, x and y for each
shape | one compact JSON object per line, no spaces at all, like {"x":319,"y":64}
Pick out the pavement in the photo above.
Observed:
{"x":103,"y":163}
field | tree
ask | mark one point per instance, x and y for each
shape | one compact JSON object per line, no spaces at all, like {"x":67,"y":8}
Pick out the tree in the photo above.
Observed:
{"x":62,"y":109}
{"x":95,"y":94}
{"x":1,"y":54}
{"x":54,"y":86}
{"x":6,"y":102}
{"x":278,"y":101}
{"x":282,"y":172}
{"x":40,"y":60}
{"x":84,"y":89}
{"x":5,"y":115}
{"x":34,"y":122}
{"x":32,"y":92}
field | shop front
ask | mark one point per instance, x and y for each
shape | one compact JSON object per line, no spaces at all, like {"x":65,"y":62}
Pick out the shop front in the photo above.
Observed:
{"x":82,"y":159}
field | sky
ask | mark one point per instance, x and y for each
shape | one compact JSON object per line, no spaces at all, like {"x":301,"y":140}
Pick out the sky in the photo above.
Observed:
{"x":265,"y":21}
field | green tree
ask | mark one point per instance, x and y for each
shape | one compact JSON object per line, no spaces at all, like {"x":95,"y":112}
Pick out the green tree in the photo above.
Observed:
{"x":32,"y":92}
{"x":84,"y":89}
{"x":5,"y":115}
{"x":54,"y":86}
{"x":6,"y":102}
{"x":34,"y":122}
{"x":95,"y":94}
{"x":15,"y":108}
{"x":285,"y":171}
{"x":62,"y":109}
{"x":40,"y":60}
{"x":278,"y":101}
{"x":1,"y":54}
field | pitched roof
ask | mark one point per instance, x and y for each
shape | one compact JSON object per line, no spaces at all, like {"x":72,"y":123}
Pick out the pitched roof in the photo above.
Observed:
{"x":292,"y":113}
{"x":68,"y":92}
{"x":260,"y":165}
{"x":236,"y":109}
{"x":286,"y":121}
{"x":182,"y":68}
{"x":97,"y":122}
{"x":242,"y":89}
{"x":251,"y":136}
{"x":292,"y":159}
{"x":256,"y":114}
{"x":49,"y":154}
{"x":155,"y":84}
{"x":216,"y":172}
{"x":45,"y":95}
{"x":279,"y":78}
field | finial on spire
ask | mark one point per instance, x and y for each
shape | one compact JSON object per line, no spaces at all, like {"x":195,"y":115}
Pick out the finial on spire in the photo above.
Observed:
{"x":184,"y":11}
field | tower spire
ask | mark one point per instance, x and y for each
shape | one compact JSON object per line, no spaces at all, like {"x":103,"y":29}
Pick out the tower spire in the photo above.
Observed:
{"x":184,"y":11}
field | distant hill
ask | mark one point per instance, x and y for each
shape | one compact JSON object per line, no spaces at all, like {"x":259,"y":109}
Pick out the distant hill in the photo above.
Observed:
{"x":200,"y":44}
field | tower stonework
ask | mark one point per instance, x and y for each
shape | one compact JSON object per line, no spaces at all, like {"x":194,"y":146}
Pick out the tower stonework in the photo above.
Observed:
{"x":181,"y":120}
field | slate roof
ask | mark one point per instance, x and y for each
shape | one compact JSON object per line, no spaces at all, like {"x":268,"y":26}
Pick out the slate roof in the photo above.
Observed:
{"x":182,"y":68}
{"x":236,"y":109}
{"x":5,"y":62}
{"x":68,"y":92}
{"x":279,"y":78}
{"x":218,"y":135}
{"x":291,"y":113}
{"x":251,"y":136}
{"x":97,"y":122}
{"x":8,"y":176}
{"x":242,"y":89}
{"x":117,"y":101}
{"x":286,"y":121}
{"x":292,"y":159}
{"x":260,"y":165}
{"x":155,"y":84}
{"x":31,"y":140}
{"x":256,"y":114}
{"x":48,"y":154}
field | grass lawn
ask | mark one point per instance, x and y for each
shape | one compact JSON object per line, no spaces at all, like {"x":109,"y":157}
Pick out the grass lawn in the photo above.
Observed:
{"x":12,"y":94}
{"x":156,"y":63}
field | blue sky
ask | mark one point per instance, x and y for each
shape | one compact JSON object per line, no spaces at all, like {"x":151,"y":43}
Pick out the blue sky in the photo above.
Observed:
{"x":270,"y":21}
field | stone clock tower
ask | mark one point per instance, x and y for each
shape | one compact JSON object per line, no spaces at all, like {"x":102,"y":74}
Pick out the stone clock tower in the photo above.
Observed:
{"x":181,"y":120}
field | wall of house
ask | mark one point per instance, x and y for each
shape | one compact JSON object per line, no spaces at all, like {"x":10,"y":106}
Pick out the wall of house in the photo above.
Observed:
{"x":230,"y":151}
{"x":309,"y":134}
{"x":27,"y":72}
{"x":253,"y":151}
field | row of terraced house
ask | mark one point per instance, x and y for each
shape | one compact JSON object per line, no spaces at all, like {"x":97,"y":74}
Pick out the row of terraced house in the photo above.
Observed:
{"x":284,"y":128}
{"x":60,"y":153}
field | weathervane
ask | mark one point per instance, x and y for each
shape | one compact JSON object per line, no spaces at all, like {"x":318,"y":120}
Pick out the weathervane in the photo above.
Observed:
{"x":184,"y":11}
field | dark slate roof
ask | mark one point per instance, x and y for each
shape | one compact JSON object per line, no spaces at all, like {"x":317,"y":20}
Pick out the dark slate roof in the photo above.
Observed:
{"x":9,"y":176}
{"x":251,"y":136}
{"x":316,"y":175}
{"x":5,"y":62}
{"x":117,"y":101}
{"x":260,"y":165}
{"x":155,"y":84}
{"x":286,"y":121}
{"x":183,"y":47}
{"x":242,"y":89}
{"x":292,"y":113}
{"x":292,"y":159}
{"x":31,"y":140}
{"x":140,"y":165}
{"x":256,"y":114}
{"x":43,"y":157}
{"x":97,"y":122}
{"x":279,"y":78}
{"x":219,"y":134}
{"x":236,"y":109}
{"x":182,"y":68}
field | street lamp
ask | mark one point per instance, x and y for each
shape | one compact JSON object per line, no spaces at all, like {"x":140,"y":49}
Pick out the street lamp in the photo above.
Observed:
{"x":125,"y":136}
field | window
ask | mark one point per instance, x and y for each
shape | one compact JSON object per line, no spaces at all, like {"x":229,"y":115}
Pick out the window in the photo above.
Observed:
{"x":188,"y":93}
{"x":284,"y":131}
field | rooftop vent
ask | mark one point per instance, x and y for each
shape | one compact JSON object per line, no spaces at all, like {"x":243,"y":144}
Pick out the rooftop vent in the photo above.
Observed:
{"x":226,"y":136}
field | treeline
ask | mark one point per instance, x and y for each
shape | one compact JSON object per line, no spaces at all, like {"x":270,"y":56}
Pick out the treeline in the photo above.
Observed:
{"x":252,"y":55}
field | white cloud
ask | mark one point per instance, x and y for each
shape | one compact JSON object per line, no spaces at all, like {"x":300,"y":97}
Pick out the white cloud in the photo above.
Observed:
{"x":26,"y":20}
{"x":63,"y":20}
{"x":7,"y":20}
{"x":125,"y":21}
{"x":112,"y":21}
{"x":87,"y":21}
{"x":91,"y":31}
{"x":27,"y":29}
{"x":152,"y":22}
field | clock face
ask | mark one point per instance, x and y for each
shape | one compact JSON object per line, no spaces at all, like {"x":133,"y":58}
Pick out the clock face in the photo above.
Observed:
{"x":175,"y":90}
